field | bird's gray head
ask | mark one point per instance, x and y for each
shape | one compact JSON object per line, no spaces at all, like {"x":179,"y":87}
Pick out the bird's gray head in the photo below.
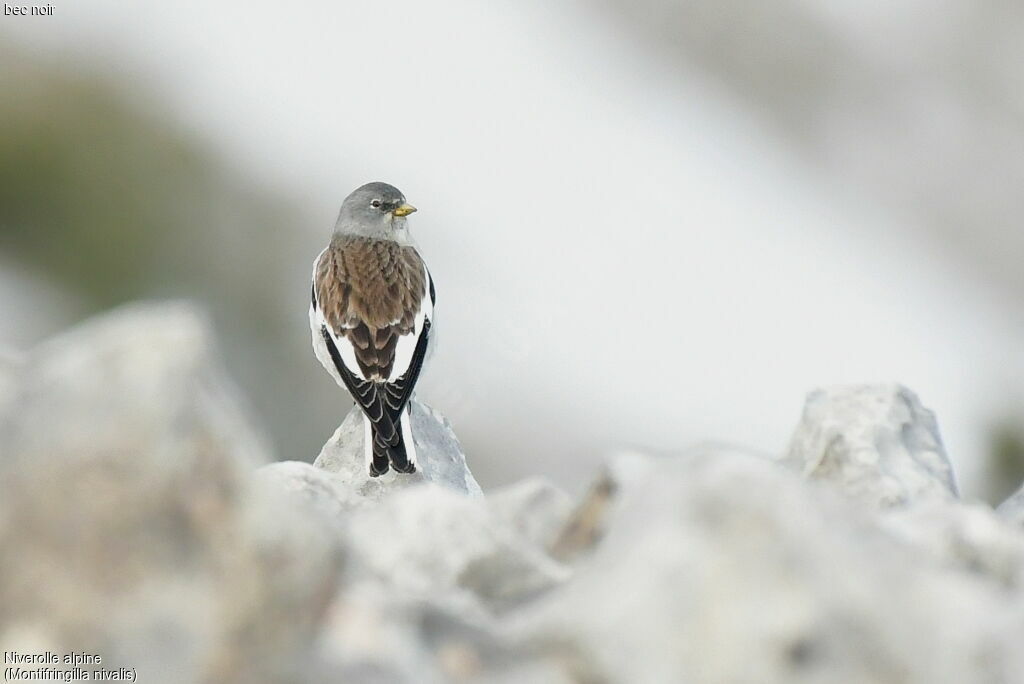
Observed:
{"x":375,"y":210}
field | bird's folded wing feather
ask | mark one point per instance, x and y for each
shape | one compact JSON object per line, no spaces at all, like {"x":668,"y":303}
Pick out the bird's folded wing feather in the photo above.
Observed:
{"x":373,"y":300}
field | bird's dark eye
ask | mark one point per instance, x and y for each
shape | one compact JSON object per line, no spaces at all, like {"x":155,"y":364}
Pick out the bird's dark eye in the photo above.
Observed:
{"x":375,"y":203}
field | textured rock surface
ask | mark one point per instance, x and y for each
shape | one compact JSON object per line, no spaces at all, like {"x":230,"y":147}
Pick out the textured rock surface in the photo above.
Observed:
{"x":1013,"y":508}
{"x":127,"y":521}
{"x":876,"y":441}
{"x":535,"y":509}
{"x":432,"y":542}
{"x":716,"y":554}
{"x":140,"y":520}
{"x":445,"y":544}
{"x":440,"y":457}
{"x":311,"y":488}
{"x":969,"y":537}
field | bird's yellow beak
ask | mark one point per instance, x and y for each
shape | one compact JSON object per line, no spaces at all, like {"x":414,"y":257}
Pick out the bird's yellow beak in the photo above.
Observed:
{"x":404,"y":210}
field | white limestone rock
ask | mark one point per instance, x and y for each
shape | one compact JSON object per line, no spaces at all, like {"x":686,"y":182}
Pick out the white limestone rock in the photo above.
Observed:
{"x":722,"y":567}
{"x":431,"y":542}
{"x":969,"y":537}
{"x":131,"y":490}
{"x":430,"y":573}
{"x":128,"y":519}
{"x":876,"y":442}
{"x":534,"y":509}
{"x":1013,"y":508}
{"x":440,"y":457}
{"x":142,"y":375}
{"x":311,"y":488}
{"x":587,"y":524}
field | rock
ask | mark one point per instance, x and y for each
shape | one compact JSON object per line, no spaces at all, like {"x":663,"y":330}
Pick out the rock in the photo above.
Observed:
{"x":432,"y":542}
{"x":586,"y":525}
{"x":534,"y":509}
{"x":430,"y":573}
{"x":140,"y":520}
{"x":375,"y":634}
{"x":127,"y":495}
{"x":970,"y":537}
{"x":429,"y":541}
{"x":1013,"y":508}
{"x":372,"y":635}
{"x":715,"y":554}
{"x":440,"y":456}
{"x":311,"y":488}
{"x":428,"y":570}
{"x":876,"y":442}
{"x":588,"y":522}
{"x":140,"y":376}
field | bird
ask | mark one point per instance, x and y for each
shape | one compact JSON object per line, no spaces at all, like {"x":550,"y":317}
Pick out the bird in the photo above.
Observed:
{"x":370,"y":318}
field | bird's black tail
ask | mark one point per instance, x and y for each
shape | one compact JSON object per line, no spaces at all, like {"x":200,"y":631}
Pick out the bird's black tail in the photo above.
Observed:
{"x":383,"y":404}
{"x":389,"y":448}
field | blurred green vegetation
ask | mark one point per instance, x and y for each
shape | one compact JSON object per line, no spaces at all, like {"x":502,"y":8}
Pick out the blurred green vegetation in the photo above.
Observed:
{"x":113,"y":201}
{"x":76,"y":184}
{"x":108,"y":198}
{"x":1006,"y":461}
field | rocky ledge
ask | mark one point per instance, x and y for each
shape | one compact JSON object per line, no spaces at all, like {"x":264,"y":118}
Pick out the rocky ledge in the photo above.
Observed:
{"x":142,"y":519}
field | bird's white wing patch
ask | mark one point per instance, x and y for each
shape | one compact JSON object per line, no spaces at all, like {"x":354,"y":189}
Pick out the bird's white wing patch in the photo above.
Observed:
{"x":320,"y":347}
{"x":406,"y":346}
{"x":345,"y":349}
{"x":405,"y":423}
{"x":316,"y":324}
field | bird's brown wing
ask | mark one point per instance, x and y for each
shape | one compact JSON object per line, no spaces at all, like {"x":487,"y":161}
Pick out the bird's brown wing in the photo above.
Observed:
{"x":370,"y":293}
